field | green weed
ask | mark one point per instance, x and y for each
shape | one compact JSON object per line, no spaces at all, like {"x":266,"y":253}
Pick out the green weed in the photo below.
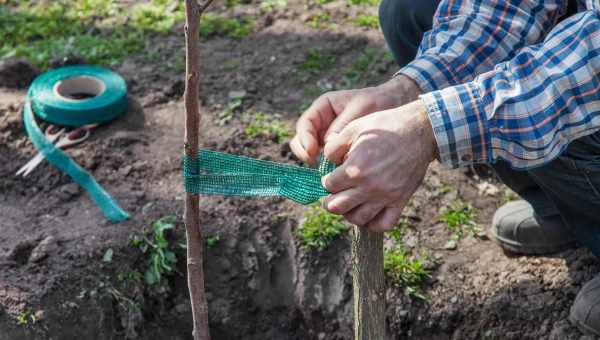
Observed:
{"x":321,"y":21}
{"x":460,"y":219}
{"x":108,"y":255}
{"x":317,"y":61}
{"x":365,"y":2}
{"x":361,"y":68}
{"x":397,"y":234}
{"x":130,"y":278}
{"x":319,"y":228}
{"x":212,"y":24}
{"x":233,"y":106}
{"x":508,"y":195}
{"x":263,"y":125}
{"x":161,"y":259}
{"x":25,"y":318}
{"x":321,"y":2}
{"x":271,"y":5}
{"x":370,"y":21}
{"x":403,"y":271}
{"x":212,"y":241}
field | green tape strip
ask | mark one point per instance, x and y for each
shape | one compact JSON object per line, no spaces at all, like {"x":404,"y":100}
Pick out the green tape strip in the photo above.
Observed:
{"x":111,"y":103}
{"x":216,"y":173}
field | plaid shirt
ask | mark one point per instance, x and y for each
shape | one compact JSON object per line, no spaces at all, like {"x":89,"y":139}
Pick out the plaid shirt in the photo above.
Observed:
{"x":506,"y":80}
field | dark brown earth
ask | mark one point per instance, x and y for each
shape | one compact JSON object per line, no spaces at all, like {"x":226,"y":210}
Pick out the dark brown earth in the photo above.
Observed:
{"x":261,"y":284}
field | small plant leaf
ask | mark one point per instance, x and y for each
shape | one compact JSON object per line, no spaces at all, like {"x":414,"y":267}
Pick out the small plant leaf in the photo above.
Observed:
{"x":108,"y":256}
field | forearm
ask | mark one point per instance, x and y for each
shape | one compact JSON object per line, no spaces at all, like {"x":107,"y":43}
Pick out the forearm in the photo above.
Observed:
{"x":527,"y":110}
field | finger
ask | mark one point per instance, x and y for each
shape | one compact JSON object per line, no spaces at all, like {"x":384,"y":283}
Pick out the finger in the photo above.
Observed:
{"x":299,"y":150}
{"x":337,"y":180}
{"x":338,"y":145}
{"x":314,"y":122}
{"x":359,"y":106}
{"x":343,"y":202}
{"x":363,"y":214}
{"x":307,"y":139}
{"x":386,"y":219}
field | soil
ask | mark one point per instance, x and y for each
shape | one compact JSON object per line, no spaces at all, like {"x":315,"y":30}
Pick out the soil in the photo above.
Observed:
{"x":261,"y":283}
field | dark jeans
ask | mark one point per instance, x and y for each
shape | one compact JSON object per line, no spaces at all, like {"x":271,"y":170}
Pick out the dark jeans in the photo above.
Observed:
{"x":568,"y":186}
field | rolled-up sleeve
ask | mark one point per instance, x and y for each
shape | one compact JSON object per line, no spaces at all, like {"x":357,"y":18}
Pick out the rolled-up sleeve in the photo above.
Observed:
{"x":528,"y":109}
{"x":470,"y":37}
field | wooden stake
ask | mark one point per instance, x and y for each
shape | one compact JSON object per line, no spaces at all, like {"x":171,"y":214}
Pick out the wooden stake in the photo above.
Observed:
{"x":195,"y":245}
{"x":369,"y":285}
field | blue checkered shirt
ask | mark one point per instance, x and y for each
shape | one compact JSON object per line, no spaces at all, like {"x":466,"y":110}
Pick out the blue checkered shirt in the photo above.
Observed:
{"x":510,"y":79}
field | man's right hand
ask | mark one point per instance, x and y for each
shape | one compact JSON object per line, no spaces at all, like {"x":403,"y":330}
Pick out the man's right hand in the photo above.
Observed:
{"x":332,"y":111}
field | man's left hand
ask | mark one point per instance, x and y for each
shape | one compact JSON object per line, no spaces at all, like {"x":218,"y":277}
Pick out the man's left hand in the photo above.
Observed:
{"x":383,"y":159}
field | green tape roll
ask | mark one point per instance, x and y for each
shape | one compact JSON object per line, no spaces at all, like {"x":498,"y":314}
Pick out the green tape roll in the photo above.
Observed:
{"x":50,"y":97}
{"x":48,"y":103}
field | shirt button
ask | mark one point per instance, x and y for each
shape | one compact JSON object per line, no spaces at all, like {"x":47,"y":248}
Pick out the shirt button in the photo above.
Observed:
{"x":467,"y":157}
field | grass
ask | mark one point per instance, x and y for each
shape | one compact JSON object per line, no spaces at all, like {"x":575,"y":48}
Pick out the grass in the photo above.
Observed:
{"x":369,"y":21}
{"x":460,"y":219}
{"x":402,"y":271}
{"x":99,"y":31}
{"x":213,"y":24}
{"x":319,"y":228}
{"x":40,"y":33}
{"x":157,"y":16}
{"x":158,"y":250}
{"x":271,"y":5}
{"x":262,"y":125}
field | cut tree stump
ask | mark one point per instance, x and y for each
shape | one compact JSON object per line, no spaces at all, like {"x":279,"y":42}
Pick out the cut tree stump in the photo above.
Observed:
{"x":369,"y":284}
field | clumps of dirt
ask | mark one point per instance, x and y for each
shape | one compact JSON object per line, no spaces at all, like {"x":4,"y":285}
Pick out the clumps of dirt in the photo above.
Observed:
{"x":17,"y":73}
{"x":261,"y":283}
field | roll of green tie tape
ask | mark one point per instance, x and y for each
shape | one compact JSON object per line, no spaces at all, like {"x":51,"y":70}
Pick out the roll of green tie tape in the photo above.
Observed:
{"x":76,"y":96}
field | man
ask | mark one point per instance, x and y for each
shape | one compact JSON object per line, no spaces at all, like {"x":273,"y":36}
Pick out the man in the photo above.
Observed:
{"x":511,"y":83}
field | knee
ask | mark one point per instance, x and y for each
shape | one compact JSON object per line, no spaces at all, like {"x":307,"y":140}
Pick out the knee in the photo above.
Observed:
{"x":394,"y":12}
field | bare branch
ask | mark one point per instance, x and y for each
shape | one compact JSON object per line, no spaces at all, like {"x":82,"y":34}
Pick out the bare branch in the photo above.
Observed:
{"x":203,"y":7}
{"x":195,"y":245}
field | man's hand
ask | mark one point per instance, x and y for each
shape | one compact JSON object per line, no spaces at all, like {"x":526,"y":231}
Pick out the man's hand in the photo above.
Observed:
{"x":383,"y":157}
{"x":331,"y":112}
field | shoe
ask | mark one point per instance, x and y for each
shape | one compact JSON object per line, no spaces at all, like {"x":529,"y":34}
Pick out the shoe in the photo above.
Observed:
{"x":585,"y":312}
{"x":517,"y":229}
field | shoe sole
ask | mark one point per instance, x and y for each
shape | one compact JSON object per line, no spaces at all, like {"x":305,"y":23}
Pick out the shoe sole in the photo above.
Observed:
{"x":582,"y":327}
{"x":517,"y":248}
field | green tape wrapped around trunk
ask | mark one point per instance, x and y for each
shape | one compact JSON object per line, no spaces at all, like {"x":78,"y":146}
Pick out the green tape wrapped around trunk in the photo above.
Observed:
{"x":216,"y":173}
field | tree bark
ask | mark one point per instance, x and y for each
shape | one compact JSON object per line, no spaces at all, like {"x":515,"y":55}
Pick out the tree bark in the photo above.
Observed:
{"x":195,"y":245}
{"x":369,"y":285}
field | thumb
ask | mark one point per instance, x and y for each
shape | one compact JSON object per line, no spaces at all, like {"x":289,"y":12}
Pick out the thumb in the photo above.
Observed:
{"x":338,"y":144}
{"x":358,"y":107}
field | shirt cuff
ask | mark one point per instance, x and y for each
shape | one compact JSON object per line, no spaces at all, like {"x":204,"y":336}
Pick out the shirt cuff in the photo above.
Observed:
{"x":460,"y":125}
